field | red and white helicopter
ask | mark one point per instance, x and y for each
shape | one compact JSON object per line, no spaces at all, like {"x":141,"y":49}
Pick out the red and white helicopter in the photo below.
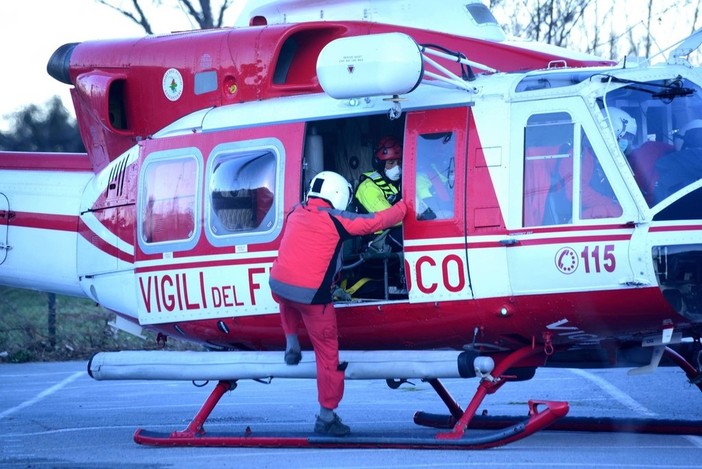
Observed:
{"x":548,"y":244}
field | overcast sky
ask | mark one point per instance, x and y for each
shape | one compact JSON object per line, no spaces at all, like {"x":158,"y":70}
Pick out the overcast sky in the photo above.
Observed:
{"x":31,"y":30}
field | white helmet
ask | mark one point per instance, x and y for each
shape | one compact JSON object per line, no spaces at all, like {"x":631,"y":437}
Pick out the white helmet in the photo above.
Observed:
{"x":331,"y":187}
{"x":686,"y":140}
{"x":622,"y":122}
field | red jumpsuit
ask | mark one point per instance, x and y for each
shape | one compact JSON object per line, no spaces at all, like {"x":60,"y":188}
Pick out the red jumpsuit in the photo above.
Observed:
{"x":303,"y":276}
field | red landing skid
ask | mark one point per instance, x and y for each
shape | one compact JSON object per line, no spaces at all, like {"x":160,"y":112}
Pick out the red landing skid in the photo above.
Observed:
{"x":541,"y":415}
{"x":585,"y":424}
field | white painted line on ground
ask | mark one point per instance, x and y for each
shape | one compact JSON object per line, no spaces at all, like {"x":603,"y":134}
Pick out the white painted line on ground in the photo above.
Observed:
{"x":42,"y":395}
{"x":621,"y":397}
{"x":695,"y":440}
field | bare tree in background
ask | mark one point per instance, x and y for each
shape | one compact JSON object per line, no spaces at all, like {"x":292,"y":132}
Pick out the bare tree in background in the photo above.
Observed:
{"x":600,"y":40}
{"x":549,"y":21}
{"x":602,"y":27}
{"x":657,"y":11}
{"x":564,"y":23}
{"x":605,"y":28}
{"x":202,"y":12}
{"x":552,"y":21}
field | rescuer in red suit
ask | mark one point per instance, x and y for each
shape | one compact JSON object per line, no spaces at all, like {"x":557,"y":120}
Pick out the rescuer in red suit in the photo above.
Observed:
{"x":303,"y":276}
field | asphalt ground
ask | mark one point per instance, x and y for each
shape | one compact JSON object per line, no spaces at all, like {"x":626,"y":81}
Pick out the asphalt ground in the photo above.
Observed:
{"x":55,"y":415}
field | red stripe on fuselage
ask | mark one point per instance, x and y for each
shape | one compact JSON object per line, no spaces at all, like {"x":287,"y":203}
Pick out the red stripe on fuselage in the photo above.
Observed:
{"x":94,"y":239}
{"x":520,"y":242}
{"x":574,"y":239}
{"x":567,"y":228}
{"x":451,"y":323}
{"x":676,"y":228}
{"x":45,"y":221}
{"x":435,"y":247}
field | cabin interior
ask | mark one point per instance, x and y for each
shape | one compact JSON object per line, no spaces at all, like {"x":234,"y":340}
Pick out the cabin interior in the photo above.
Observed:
{"x":373,"y":269}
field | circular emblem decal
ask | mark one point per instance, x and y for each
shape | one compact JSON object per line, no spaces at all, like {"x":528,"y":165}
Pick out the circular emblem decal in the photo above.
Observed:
{"x":566,"y":260}
{"x":172,"y":84}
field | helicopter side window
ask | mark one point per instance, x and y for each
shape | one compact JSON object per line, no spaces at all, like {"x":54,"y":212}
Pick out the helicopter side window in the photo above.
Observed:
{"x":240,"y":192}
{"x":435,"y":176}
{"x":168,"y":205}
{"x":548,"y":170}
{"x":242,"y":187}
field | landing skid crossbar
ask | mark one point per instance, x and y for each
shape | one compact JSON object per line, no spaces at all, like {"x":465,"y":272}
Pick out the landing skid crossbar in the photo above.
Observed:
{"x":693,"y":374}
{"x":457,"y":418}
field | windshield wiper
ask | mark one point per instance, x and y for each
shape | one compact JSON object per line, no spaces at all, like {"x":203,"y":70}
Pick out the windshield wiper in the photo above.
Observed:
{"x":667,"y":91}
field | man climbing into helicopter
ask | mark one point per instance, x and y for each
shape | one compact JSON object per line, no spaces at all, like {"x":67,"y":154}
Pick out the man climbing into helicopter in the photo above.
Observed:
{"x":303,"y":278}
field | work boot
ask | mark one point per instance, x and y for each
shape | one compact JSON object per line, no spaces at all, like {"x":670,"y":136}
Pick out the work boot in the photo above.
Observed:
{"x":332,"y":428}
{"x":293,"y":357}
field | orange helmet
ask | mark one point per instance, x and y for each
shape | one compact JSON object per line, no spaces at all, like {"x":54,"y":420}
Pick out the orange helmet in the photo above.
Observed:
{"x":389,"y":149}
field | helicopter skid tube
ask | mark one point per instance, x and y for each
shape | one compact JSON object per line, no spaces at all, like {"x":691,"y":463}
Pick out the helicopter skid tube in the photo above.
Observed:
{"x":571,"y":424}
{"x":232,"y":366}
{"x":195,"y":434}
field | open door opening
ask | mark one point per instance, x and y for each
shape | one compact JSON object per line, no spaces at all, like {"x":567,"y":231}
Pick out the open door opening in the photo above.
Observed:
{"x":373,"y":265}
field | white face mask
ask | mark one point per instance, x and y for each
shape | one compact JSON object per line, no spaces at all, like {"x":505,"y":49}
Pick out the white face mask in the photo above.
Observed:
{"x":623,"y":144}
{"x":394,"y":173}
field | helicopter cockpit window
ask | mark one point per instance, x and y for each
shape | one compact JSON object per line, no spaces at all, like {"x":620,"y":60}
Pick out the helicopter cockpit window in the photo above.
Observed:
{"x":242,"y":190}
{"x":658,"y":127}
{"x":168,"y":204}
{"x":435,"y":177}
{"x":548,"y":169}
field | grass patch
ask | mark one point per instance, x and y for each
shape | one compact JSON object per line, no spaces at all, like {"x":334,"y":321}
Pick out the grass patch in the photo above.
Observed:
{"x":81,"y":328}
